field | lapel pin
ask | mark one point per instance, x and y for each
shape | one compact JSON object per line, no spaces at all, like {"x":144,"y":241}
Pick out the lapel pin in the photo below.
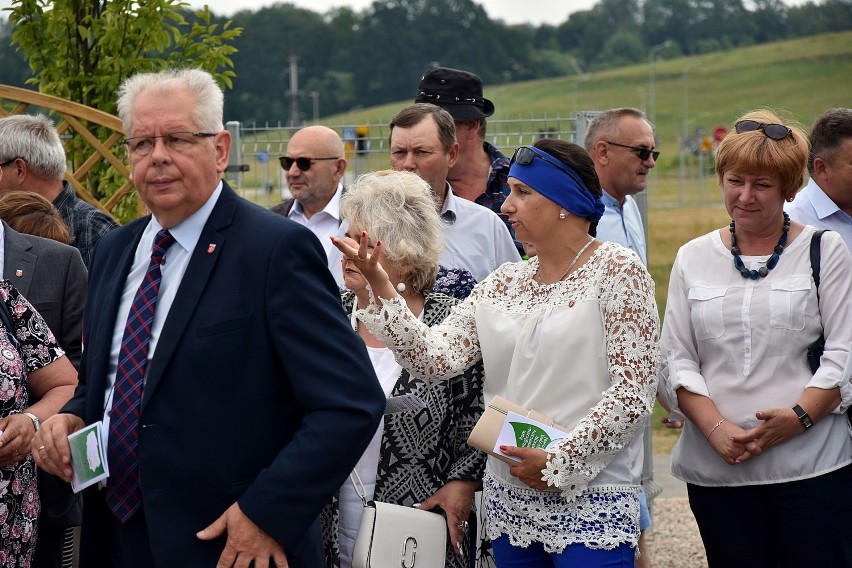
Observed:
{"x":211,"y":248}
{"x":19,"y":273}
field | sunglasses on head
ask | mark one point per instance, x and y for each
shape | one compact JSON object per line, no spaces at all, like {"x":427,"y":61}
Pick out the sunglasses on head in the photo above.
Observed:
{"x":643,"y":153}
{"x":525,"y":155}
{"x":772,"y":131}
{"x":303,"y":164}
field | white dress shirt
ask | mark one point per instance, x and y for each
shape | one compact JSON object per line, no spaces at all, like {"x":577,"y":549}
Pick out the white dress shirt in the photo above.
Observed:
{"x":813,"y":207}
{"x":622,"y":224}
{"x":324,"y":224}
{"x":476,"y":239}
{"x":175,"y":262}
{"x":742,"y":343}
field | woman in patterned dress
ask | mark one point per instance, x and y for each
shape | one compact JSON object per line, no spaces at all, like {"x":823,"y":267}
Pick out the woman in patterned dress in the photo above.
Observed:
{"x":30,"y":362}
{"x":417,"y":456}
{"x":573,"y":334}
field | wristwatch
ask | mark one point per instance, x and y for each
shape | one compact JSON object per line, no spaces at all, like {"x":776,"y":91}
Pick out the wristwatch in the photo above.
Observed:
{"x":803,"y":416}
{"x":34,"y":418}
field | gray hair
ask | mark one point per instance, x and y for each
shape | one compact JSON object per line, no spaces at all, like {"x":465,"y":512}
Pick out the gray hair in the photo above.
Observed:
{"x":605,"y":125}
{"x":209,"y":99}
{"x":35,"y":139}
{"x":398,"y":209}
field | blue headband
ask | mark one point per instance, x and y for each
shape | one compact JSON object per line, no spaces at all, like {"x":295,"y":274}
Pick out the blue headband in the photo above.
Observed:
{"x":557,"y":182}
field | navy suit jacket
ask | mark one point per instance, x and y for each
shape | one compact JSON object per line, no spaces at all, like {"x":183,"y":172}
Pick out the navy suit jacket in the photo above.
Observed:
{"x":258,"y":392}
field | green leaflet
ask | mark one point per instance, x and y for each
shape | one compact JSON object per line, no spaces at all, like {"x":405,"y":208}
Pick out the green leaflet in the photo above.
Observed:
{"x":529,"y":436}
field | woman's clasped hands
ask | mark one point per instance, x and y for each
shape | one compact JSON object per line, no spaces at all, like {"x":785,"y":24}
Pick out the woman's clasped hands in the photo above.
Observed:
{"x":776,"y":425}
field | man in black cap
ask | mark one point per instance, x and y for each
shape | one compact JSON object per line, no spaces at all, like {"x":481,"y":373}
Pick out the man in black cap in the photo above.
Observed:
{"x":480,"y":174}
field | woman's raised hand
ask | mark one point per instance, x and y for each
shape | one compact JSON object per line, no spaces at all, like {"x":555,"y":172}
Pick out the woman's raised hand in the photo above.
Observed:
{"x":367,"y":263}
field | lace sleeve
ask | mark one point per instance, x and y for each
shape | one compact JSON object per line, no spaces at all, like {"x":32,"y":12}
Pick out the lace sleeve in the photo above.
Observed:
{"x":438,"y":352}
{"x":632,"y":327}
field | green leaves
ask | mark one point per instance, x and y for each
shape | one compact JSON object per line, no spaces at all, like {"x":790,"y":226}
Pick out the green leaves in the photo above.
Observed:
{"x":82,"y":51}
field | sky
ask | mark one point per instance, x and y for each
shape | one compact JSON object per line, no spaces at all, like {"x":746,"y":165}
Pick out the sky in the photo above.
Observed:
{"x":536,"y":12}
{"x":511,"y":11}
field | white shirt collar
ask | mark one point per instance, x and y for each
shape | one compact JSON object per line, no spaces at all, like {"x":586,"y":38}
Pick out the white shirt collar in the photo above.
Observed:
{"x":188,"y":231}
{"x":332,"y":208}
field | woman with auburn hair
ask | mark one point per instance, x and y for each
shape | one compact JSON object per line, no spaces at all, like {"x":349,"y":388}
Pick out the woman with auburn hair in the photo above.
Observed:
{"x":32,"y":214}
{"x":766,"y":450}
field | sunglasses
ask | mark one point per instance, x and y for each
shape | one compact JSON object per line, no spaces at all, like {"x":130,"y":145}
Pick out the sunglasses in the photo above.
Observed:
{"x":771,"y":131}
{"x":7,"y":162}
{"x":303,"y":164}
{"x":643,"y":153}
{"x":525,"y":155}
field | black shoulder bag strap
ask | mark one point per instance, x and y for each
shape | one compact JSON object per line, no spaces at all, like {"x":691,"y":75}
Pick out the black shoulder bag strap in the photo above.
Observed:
{"x":6,"y":318}
{"x":815,"y":349}
{"x":815,"y":254}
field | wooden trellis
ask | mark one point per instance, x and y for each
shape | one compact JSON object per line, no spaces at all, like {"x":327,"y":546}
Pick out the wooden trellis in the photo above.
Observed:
{"x":71,"y":116}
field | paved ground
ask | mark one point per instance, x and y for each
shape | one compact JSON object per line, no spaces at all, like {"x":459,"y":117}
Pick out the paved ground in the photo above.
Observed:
{"x":672,"y":487}
{"x":673,"y":541}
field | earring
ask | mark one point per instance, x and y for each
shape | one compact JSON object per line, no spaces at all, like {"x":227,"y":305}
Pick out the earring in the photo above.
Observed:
{"x":562,"y":215}
{"x":400,"y":287}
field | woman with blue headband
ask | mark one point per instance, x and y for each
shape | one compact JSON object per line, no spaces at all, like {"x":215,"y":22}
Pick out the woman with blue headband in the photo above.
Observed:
{"x":572,"y":334}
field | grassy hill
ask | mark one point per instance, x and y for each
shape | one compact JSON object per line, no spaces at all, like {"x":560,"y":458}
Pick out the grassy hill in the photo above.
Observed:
{"x":800,"y":78}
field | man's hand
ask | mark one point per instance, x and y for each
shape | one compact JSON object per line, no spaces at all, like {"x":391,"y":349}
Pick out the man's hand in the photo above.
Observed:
{"x":50,"y":444}
{"x":246,"y":542}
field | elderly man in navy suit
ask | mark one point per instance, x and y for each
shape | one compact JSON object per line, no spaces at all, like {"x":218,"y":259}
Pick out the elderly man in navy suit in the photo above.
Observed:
{"x":237,"y":396}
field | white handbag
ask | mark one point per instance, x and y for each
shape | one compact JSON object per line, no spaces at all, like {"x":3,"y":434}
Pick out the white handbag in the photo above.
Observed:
{"x":393,"y":536}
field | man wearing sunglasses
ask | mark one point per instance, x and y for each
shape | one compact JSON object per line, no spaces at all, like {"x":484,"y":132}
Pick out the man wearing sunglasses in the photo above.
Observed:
{"x":314,"y":164}
{"x":621,"y":142}
{"x":826,"y":202}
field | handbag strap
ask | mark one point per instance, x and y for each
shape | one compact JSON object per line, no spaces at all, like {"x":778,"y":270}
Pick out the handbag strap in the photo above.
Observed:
{"x":815,"y":258}
{"x":360,"y":490}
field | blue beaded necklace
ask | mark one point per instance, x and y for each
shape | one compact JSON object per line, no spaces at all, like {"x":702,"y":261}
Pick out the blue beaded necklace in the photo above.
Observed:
{"x":770,"y":264}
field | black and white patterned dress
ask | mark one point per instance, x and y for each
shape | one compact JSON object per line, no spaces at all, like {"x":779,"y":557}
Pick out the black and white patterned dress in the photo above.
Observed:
{"x":421,"y":451}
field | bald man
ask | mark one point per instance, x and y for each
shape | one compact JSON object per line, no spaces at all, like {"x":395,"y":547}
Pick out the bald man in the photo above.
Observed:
{"x":314,"y":164}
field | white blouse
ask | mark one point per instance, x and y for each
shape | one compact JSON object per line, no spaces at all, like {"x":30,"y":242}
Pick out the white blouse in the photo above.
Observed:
{"x":742,"y":343}
{"x":583,"y":351}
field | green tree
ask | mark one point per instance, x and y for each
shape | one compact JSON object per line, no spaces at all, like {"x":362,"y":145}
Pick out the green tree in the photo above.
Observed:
{"x":82,"y":51}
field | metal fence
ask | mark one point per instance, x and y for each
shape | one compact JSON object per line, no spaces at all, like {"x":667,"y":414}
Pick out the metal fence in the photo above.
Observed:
{"x":254,"y":168}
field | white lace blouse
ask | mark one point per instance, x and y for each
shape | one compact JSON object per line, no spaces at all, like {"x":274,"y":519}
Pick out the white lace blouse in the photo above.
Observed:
{"x":584,"y":351}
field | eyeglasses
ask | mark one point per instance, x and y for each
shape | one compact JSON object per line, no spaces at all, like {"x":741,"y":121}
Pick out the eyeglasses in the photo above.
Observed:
{"x":141,"y":146}
{"x":525,"y":155}
{"x":772,"y":131}
{"x":302,"y":163}
{"x":7,"y":162}
{"x":643,"y":153}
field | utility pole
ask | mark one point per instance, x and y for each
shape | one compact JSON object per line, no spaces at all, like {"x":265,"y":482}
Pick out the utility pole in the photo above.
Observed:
{"x":294,"y":90}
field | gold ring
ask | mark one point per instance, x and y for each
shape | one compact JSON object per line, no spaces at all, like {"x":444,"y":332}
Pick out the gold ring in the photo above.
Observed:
{"x":40,"y":448}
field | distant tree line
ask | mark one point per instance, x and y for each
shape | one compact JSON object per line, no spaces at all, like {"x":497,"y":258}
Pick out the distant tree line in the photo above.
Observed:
{"x":348,"y":59}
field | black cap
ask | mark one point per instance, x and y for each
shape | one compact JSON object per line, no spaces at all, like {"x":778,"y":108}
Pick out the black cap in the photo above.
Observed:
{"x":458,"y":92}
